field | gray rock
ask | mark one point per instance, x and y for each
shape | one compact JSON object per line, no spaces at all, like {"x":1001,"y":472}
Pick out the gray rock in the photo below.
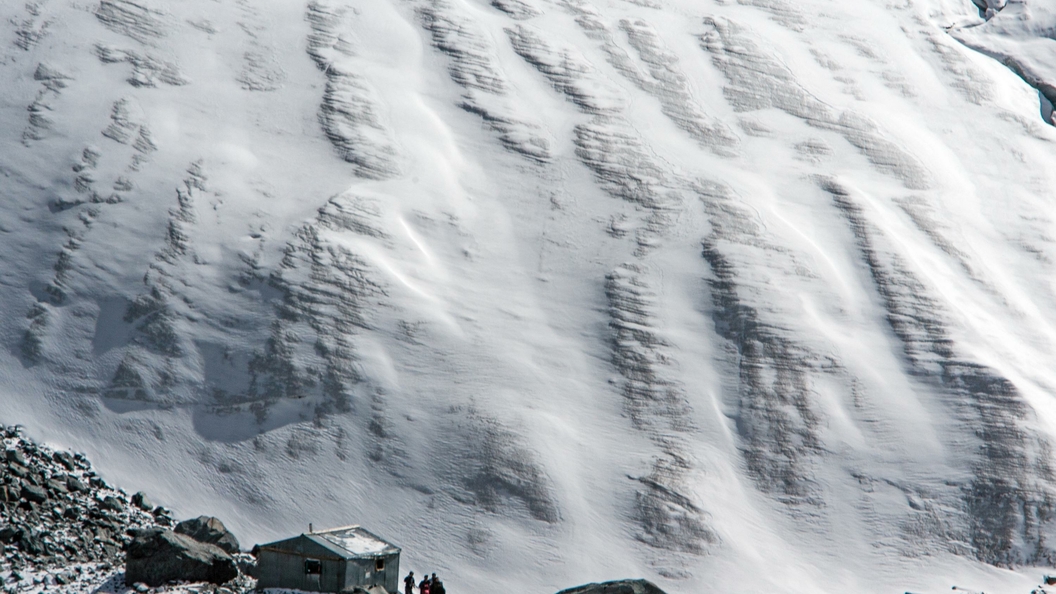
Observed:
{"x":64,"y":458}
{"x":76,"y":485}
{"x":141,"y":501}
{"x":156,"y":556}
{"x":17,"y":469}
{"x":33,"y":544}
{"x":209,"y":530}
{"x":113,"y":504}
{"x":16,"y":457}
{"x":34,"y":493}
{"x":10,"y":534}
{"x":616,"y":587}
{"x":57,"y":486}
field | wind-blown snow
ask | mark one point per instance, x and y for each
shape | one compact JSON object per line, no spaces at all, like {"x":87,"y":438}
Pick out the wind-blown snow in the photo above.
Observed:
{"x":744,"y":295}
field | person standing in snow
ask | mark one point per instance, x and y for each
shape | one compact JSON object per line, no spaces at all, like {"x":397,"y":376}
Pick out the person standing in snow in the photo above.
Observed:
{"x":423,"y":588}
{"x":437,"y":587}
{"x":408,"y":584}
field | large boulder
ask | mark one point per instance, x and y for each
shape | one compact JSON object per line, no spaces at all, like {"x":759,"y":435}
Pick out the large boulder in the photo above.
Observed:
{"x":157,"y":555}
{"x":616,"y":587}
{"x":209,"y":530}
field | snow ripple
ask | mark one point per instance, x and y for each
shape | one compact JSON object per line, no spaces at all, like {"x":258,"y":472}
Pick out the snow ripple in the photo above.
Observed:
{"x":132,"y":19}
{"x":778,"y":419}
{"x":154,"y":362}
{"x":758,"y":81}
{"x":1010,"y":501}
{"x":472,"y":66}
{"x":348,"y":114}
{"x":40,"y":122}
{"x":668,"y":518}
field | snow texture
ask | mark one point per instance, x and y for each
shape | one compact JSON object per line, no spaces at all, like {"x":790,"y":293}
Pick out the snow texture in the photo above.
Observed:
{"x":746,"y":293}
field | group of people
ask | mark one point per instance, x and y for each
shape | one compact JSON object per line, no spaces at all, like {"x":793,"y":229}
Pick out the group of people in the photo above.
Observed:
{"x":428,"y":585}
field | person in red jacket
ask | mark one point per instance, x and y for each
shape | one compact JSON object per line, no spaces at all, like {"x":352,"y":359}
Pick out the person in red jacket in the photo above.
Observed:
{"x":423,"y":587}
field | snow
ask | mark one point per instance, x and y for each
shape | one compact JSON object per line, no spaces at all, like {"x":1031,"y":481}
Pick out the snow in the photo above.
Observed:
{"x":354,"y":540}
{"x":754,"y":294}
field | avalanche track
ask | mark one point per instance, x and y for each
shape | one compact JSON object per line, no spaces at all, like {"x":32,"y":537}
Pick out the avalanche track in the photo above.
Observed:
{"x":747,"y":293}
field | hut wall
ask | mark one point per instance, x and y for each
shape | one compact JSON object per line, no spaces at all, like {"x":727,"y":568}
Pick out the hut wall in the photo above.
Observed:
{"x":286,"y":570}
{"x":363,"y":572}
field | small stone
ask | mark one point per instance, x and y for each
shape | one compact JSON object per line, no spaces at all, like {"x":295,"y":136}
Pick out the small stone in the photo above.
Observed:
{"x":113,"y":504}
{"x":57,"y":486}
{"x":33,"y":544}
{"x":34,"y":494}
{"x":76,"y":485}
{"x":18,"y":470}
{"x":64,"y":458}
{"x":98,"y":483}
{"x":141,"y":501}
{"x":16,"y":457}
{"x":141,"y":587}
{"x":10,"y":534}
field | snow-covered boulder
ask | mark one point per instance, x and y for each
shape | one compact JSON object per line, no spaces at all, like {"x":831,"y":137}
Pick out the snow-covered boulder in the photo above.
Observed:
{"x":158,"y":555}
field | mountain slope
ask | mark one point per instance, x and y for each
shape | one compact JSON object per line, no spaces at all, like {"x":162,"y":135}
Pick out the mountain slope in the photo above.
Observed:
{"x":745,"y":293}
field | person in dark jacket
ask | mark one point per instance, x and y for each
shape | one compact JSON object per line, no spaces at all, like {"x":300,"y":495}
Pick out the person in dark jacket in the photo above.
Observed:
{"x":408,"y":584}
{"x":437,"y":587}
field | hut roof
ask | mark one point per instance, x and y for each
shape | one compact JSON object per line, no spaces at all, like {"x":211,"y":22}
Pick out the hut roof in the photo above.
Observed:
{"x":348,"y":542}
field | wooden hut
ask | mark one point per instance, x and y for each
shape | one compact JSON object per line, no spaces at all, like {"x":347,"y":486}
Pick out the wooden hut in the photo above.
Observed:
{"x":336,"y":560}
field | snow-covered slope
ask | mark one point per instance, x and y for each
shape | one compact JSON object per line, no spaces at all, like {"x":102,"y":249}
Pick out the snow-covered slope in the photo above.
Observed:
{"x":731,"y":295}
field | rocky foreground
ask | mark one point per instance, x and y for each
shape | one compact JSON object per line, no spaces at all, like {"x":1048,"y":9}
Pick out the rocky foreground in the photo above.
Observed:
{"x":63,"y":528}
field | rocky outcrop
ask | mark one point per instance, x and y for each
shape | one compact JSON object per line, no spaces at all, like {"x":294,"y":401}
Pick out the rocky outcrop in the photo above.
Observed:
{"x":616,"y":587}
{"x":56,"y":511}
{"x":158,"y":555}
{"x":63,"y":526}
{"x":210,"y":530}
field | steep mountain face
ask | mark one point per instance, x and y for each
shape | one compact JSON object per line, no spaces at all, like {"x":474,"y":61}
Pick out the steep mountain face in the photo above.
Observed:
{"x":749,"y":293}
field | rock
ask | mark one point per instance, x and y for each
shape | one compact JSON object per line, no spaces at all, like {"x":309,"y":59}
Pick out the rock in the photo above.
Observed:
{"x":64,"y":458}
{"x":33,"y":544}
{"x":17,"y":469}
{"x":156,"y":556}
{"x":616,"y":587}
{"x":10,"y":534}
{"x":141,"y":501}
{"x":210,"y":530}
{"x":76,"y":485}
{"x":113,"y":504}
{"x":16,"y":457}
{"x":34,"y":494}
{"x":57,"y":486}
{"x":247,"y":565}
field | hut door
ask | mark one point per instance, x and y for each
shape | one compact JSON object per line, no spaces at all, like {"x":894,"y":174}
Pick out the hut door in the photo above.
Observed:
{"x":313,"y":570}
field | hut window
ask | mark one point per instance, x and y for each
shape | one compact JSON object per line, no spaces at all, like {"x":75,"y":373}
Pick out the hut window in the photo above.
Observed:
{"x":313,"y":566}
{"x":379,"y":565}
